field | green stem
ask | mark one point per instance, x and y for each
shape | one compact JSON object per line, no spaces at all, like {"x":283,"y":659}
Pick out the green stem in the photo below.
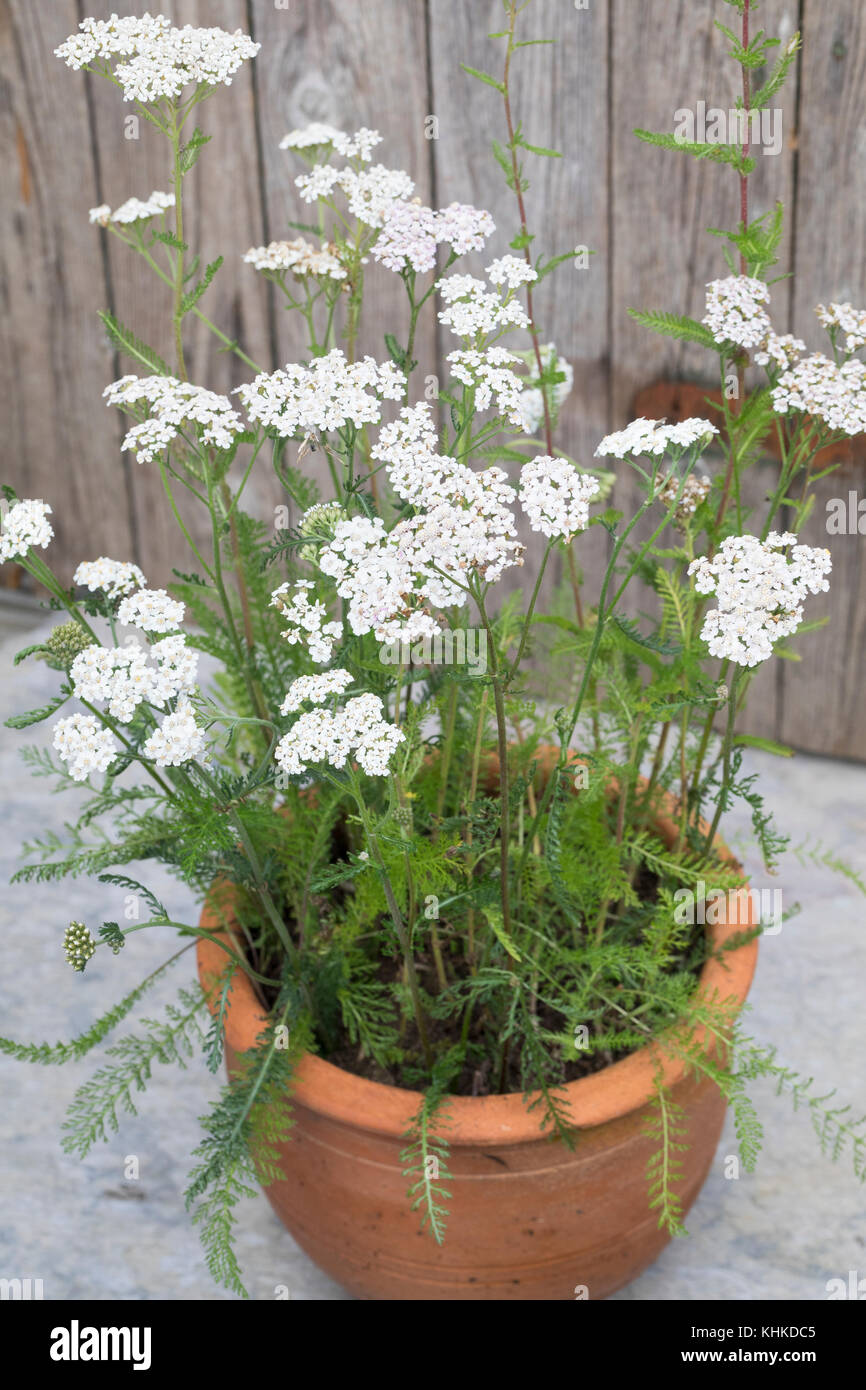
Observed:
{"x":177,"y":182}
{"x":502,"y":739}
{"x":512,"y":671}
{"x":399,"y":925}
{"x":726,"y":759}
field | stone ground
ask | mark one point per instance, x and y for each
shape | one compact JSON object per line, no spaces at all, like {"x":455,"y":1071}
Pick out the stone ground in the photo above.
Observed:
{"x":780,"y":1233}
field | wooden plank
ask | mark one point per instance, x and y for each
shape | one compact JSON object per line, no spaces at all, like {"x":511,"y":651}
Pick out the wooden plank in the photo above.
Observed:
{"x":55,"y":358}
{"x":822,"y":700}
{"x":560,"y":93}
{"x":667,"y":58}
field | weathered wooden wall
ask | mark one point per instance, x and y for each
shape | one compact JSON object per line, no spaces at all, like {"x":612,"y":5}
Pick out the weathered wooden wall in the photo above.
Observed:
{"x":390,"y":64}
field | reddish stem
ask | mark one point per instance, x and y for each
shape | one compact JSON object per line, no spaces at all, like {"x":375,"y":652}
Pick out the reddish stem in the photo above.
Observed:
{"x":548,"y":428}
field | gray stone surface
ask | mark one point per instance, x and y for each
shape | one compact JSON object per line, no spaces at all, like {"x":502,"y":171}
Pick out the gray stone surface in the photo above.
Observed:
{"x":780,"y":1233}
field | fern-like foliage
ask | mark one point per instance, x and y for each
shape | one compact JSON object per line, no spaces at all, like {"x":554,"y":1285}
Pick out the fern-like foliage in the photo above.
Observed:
{"x":426,"y":1153}
{"x":665,"y":1126}
{"x":95,"y":1109}
{"x":243,"y":1133}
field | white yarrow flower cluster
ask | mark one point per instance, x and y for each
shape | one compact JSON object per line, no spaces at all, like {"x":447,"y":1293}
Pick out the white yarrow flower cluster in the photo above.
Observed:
{"x":323,"y":736}
{"x":464,"y":527}
{"x":735,"y":312}
{"x":114,"y":577}
{"x":512,"y":271}
{"x":151,"y":610}
{"x":643,"y":437}
{"x":465,"y":228}
{"x":836,"y":395}
{"x":169,"y":405}
{"x":133,"y":210}
{"x":300,"y":256}
{"x":308,"y":622}
{"x":472,"y":311}
{"x":82,"y":742}
{"x":327,"y":395}
{"x":781,"y":349}
{"x":25,"y":524}
{"x":409,"y":445}
{"x":315,"y":690}
{"x":490,"y":373}
{"x":556,"y":497}
{"x":370,"y":193}
{"x":760,"y":592}
{"x":156,"y":59}
{"x":411,"y":233}
{"x":851,"y":321}
{"x":123,"y":677}
{"x":375,"y":580}
{"x":177,"y":740}
{"x":357,"y":146}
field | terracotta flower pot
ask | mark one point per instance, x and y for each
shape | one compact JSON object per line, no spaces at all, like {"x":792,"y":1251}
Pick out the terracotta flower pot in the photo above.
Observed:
{"x":529,"y":1219}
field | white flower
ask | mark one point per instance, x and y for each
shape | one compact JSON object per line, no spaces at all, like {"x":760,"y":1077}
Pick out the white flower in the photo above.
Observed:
{"x":370,"y":192}
{"x":409,"y":236}
{"x":133,"y":210}
{"x":81,"y":742}
{"x":555,"y":497}
{"x":158,"y":60}
{"x":151,"y":610}
{"x":119,"y":677}
{"x":466,"y":527}
{"x":176,"y":669}
{"x":782,"y":349}
{"x":472,"y":311}
{"x":169,"y":405}
{"x":734,"y":313}
{"x":836,"y":395}
{"x":851,"y":321}
{"x":360,"y":145}
{"x":307,"y":620}
{"x":310,"y":136}
{"x":113,"y":577}
{"x":298,"y":256}
{"x":322,"y":736}
{"x":512,"y":271}
{"x":409,"y":446}
{"x":25,"y":524}
{"x":465,"y":228}
{"x":357,"y":146}
{"x":177,"y":740}
{"x":123,"y":677}
{"x":490,"y":373}
{"x":327,"y":395}
{"x":320,"y":182}
{"x":760,"y":593}
{"x":315,"y":689}
{"x":411,"y":232}
{"x":643,"y":437}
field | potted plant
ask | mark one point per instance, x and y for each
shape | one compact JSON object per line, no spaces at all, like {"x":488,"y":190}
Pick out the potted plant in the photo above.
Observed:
{"x":471,"y":944}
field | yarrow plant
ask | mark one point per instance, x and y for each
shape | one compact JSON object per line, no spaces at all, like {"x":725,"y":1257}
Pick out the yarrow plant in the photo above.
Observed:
{"x":339,"y":791}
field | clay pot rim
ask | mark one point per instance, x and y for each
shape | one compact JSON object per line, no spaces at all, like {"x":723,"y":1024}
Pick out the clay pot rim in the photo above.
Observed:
{"x":343,"y":1097}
